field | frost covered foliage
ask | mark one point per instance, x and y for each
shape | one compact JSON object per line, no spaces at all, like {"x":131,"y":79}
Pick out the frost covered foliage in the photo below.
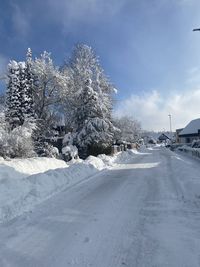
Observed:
{"x":13,"y":95}
{"x":90,"y":101}
{"x":79,"y":93}
{"x":69,"y":151}
{"x":94,"y":129}
{"x":83,"y":66}
{"x":130,"y":129}
{"x":28,"y":84}
{"x":49,"y":151}
{"x":48,"y":84}
{"x":16,"y":142}
{"x":19,"y":98}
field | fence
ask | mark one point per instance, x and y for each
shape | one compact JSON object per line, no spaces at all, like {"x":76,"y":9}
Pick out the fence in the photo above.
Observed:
{"x":123,"y":147}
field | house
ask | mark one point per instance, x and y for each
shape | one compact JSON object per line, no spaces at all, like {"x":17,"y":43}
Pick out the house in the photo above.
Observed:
{"x":163,"y":138}
{"x":190,"y":132}
{"x":177,"y":135}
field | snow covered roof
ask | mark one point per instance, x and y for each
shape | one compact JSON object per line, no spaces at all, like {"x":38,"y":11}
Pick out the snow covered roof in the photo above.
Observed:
{"x":163,"y":137}
{"x":192,"y":128}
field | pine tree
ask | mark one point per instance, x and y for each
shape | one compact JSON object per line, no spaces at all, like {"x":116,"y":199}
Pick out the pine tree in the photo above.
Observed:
{"x":91,"y":98}
{"x":19,"y":95}
{"x":13,"y":112}
{"x":94,"y":129}
{"x":27,"y":100}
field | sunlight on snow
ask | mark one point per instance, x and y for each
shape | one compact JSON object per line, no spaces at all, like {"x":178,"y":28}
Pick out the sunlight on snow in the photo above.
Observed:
{"x":138,"y":165}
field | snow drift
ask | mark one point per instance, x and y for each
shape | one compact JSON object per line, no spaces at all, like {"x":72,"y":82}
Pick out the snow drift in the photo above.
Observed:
{"x":21,"y":195}
{"x":25,"y":183}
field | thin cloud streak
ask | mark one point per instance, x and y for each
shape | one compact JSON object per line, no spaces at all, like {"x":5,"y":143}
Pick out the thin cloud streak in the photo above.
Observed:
{"x":72,"y":12}
{"x":20,"y":21}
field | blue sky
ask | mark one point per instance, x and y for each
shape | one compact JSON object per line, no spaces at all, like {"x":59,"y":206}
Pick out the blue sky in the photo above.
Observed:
{"x":147,"y":48}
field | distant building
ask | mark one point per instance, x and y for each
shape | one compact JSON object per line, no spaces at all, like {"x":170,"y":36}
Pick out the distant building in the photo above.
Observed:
{"x":190,"y":132}
{"x":154,"y":137}
{"x":163,"y":138}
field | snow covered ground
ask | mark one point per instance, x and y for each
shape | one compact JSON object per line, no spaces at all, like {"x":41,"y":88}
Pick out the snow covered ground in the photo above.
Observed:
{"x":26,"y":182}
{"x":143,"y":210}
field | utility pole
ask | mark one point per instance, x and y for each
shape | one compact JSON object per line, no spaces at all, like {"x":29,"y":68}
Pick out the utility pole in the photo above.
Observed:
{"x":170,"y":122}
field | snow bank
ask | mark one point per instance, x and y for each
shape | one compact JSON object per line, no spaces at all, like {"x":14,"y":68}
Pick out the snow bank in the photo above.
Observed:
{"x":20,"y":195}
{"x":128,"y":156}
{"x":25,"y":183}
{"x":19,"y":168}
{"x":96,"y":162}
{"x":120,"y":157}
{"x":107,"y":160}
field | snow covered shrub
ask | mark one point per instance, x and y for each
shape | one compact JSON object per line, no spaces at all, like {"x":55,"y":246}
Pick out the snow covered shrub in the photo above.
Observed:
{"x":21,"y":141}
{"x":16,"y":142}
{"x":49,"y":151}
{"x":69,"y":151}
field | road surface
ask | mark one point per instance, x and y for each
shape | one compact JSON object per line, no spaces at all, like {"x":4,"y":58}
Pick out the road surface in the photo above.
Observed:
{"x":137,"y":214}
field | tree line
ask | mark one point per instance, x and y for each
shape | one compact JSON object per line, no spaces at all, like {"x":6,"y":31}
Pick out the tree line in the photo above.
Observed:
{"x":78,"y":94}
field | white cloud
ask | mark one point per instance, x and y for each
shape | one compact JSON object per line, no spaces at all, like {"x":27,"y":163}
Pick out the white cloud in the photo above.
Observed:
{"x":152,"y":109}
{"x":20,"y":21}
{"x":3,"y":64}
{"x":75,"y":11}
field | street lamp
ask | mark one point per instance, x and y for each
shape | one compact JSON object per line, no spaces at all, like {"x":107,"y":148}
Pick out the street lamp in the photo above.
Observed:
{"x":170,"y":122}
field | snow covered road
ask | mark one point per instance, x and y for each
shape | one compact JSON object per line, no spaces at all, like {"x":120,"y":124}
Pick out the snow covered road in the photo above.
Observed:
{"x":141,"y":213}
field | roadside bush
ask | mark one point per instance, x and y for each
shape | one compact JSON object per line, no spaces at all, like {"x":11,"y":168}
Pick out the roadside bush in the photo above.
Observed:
{"x":16,"y":142}
{"x":69,"y":151}
{"x":49,"y":151}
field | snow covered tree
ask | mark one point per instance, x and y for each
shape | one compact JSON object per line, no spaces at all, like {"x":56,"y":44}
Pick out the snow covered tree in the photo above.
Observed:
{"x":48,"y":83}
{"x":27,"y":78}
{"x":89,"y":101}
{"x":84,"y":65}
{"x":19,"y":98}
{"x":94,"y":129}
{"x":130,"y":129}
{"x":14,"y":95}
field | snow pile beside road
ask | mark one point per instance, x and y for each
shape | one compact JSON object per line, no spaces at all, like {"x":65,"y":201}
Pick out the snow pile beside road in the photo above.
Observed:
{"x":24,"y":167}
{"x":108,"y":160}
{"x":24,"y":183}
{"x":96,"y":162}
{"x":119,"y":158}
{"x":127,"y":156}
{"x":20,"y":195}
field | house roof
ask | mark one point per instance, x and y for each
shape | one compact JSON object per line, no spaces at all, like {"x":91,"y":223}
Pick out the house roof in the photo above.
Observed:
{"x":192,"y":128}
{"x":163,"y":137}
